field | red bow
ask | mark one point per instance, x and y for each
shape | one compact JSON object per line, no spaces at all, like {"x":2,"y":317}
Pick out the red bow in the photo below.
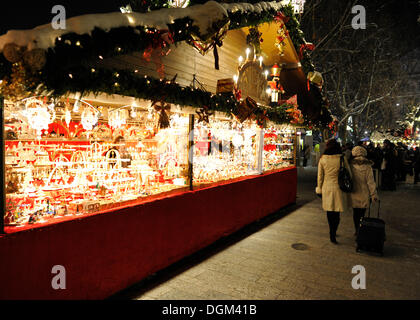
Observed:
{"x":280,"y":17}
{"x":305,"y":46}
{"x":160,"y":46}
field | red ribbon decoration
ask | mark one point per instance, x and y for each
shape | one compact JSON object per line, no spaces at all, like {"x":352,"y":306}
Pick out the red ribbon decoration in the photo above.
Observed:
{"x":305,"y":46}
{"x":280,"y":17}
{"x":161,"y":41}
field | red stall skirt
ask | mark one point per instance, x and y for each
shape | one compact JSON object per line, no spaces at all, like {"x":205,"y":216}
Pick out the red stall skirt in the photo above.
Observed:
{"x":106,"y":252}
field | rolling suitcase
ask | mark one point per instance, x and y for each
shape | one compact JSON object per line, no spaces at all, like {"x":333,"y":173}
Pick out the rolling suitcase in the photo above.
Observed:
{"x":371,"y":234}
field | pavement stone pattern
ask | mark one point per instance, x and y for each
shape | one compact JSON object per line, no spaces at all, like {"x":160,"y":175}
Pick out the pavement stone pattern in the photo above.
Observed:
{"x":262,"y":264}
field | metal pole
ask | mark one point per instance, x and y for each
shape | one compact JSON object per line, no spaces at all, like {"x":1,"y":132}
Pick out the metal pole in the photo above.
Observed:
{"x":260,"y":151}
{"x":190,"y":151}
{"x":2,"y":168}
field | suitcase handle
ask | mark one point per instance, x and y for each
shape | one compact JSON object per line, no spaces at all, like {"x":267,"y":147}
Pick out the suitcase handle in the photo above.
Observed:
{"x":379,"y":206}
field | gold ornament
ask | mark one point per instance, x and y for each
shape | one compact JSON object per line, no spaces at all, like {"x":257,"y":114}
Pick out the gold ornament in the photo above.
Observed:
{"x":12,"y":52}
{"x":35,"y":59}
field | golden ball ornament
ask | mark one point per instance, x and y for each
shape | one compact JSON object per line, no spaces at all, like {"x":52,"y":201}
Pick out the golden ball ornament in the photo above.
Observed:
{"x":12,"y":52}
{"x":35,"y":59}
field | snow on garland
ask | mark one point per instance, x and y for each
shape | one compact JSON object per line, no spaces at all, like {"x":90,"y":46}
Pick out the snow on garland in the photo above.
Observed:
{"x":203,"y":16}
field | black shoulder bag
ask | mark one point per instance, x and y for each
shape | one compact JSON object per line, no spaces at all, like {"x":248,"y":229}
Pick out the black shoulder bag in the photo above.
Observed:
{"x":344,"y":178}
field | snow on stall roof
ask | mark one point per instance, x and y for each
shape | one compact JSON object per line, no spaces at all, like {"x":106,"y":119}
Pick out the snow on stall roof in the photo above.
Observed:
{"x":203,"y":16}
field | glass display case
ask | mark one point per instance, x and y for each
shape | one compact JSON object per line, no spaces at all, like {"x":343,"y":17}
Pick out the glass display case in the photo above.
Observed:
{"x":224,"y":150}
{"x":279,"y":148}
{"x":69,"y":158}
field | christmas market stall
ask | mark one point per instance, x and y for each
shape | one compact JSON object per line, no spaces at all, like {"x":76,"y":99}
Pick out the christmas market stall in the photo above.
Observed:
{"x":130,"y":140}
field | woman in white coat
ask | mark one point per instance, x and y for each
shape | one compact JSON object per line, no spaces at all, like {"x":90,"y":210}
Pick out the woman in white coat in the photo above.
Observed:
{"x":364,"y":187}
{"x":333,"y":199}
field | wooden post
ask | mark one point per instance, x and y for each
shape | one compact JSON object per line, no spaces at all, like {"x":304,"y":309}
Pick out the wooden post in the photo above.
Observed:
{"x":190,"y":151}
{"x":295,"y":143}
{"x":2,"y":168}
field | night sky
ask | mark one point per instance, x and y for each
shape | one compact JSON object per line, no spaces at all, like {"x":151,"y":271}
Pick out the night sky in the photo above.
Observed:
{"x":25,"y":14}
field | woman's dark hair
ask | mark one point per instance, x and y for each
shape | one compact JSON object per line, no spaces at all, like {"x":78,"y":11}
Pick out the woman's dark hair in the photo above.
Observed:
{"x":333,"y":147}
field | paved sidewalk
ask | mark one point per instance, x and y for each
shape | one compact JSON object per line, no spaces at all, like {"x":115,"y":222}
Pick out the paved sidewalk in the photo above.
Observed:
{"x":288,"y":255}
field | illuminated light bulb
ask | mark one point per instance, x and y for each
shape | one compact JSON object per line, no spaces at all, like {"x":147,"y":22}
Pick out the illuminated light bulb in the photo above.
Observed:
{"x":77,"y":43}
{"x":240,"y":59}
{"x":261,"y":60}
{"x":235,"y":78}
{"x":130,"y":20}
{"x":92,"y":70}
{"x":70,"y":75}
{"x":268,"y":91}
{"x":247,"y":51}
{"x":68,"y":117}
{"x":100,"y":57}
{"x":76,"y":106}
{"x":266,"y":74}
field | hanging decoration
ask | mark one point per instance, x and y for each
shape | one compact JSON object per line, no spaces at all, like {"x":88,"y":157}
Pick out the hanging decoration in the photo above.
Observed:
{"x":159,"y":47}
{"x":304,"y":47}
{"x":37,"y":115}
{"x":116,"y":118}
{"x":294,"y":113}
{"x":204,"y":113}
{"x":212,"y":40}
{"x":281,"y":37}
{"x":89,"y":118}
{"x":19,"y":84}
{"x":162,"y":108}
{"x":316,"y":78}
{"x":254,"y":39}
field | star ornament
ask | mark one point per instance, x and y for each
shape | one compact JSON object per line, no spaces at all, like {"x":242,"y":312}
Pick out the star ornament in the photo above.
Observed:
{"x":204,"y":113}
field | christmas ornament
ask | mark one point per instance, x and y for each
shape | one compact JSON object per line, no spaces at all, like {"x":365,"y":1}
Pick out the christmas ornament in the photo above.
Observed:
{"x":281,"y":37}
{"x":116,"y":118}
{"x":162,"y":107}
{"x":12,"y":52}
{"x":212,"y":40}
{"x":35,"y":59}
{"x":316,"y":78}
{"x":245,"y":109}
{"x":160,"y":46}
{"x":37,"y":115}
{"x":294,"y":112}
{"x":305,"y":46}
{"x":19,"y":84}
{"x":254,"y":39}
{"x":89,"y":119}
{"x":204,"y":113}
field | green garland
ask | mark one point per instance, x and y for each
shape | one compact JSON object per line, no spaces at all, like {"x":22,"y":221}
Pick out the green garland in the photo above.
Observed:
{"x":128,"y":83}
{"x":74,"y":55}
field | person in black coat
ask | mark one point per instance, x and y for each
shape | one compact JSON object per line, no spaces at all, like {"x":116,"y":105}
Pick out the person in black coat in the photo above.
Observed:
{"x":389,"y":167}
{"x":416,"y":165}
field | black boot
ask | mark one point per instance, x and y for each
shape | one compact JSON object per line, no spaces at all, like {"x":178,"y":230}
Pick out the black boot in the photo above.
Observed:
{"x":333,"y":221}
